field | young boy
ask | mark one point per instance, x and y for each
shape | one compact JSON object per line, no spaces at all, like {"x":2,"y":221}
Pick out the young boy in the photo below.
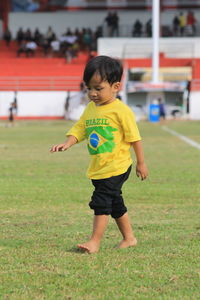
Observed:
{"x":110,"y":129}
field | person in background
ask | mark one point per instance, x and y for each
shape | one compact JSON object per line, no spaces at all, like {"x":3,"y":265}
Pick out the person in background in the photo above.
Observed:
{"x":31,"y":47}
{"x":182,"y":23}
{"x":148,"y":28}
{"x":45,"y":46}
{"x":191,"y":23}
{"x":66,"y":107}
{"x":15,"y":104}
{"x":20,"y":36}
{"x":162,"y":112}
{"x":28,"y":35}
{"x":55,"y":47}
{"x":22,"y":48}
{"x":50,"y":35}
{"x":108,"y":20}
{"x":176,"y":25}
{"x":37,"y":36}
{"x":137,"y":28}
{"x":115,"y":24}
{"x":11,"y":114}
{"x":7,"y":37}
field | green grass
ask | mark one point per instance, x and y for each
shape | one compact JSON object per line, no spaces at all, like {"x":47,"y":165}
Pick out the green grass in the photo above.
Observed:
{"x":44,"y":214}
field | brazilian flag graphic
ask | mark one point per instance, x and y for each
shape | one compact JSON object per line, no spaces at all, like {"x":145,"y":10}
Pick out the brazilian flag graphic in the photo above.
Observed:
{"x":100,"y":139}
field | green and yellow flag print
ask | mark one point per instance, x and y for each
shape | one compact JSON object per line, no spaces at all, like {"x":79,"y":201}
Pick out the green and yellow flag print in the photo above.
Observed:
{"x":100,"y":139}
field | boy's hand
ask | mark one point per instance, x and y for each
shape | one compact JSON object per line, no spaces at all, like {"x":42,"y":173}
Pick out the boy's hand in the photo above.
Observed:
{"x":141,"y":171}
{"x":59,"y":147}
{"x":71,"y":140}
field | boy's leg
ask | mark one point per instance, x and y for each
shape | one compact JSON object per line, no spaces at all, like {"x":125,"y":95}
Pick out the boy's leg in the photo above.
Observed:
{"x":125,"y":228}
{"x":99,"y":225}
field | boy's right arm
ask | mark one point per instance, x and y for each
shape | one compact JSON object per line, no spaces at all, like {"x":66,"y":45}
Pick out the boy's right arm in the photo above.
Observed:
{"x":71,"y":140}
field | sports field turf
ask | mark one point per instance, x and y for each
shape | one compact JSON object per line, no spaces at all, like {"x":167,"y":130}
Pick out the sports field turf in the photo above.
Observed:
{"x":44,"y":214}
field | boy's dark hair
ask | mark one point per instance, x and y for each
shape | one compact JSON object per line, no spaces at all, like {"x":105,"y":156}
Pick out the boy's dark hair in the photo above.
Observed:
{"x":108,"y":68}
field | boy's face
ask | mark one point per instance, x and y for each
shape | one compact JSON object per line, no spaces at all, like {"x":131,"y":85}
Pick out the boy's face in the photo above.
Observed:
{"x":101,"y":92}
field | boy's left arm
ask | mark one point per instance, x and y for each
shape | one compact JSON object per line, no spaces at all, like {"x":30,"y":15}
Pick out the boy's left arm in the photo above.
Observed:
{"x":141,"y":168}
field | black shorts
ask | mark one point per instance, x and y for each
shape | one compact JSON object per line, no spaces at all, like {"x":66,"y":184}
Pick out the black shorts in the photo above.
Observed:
{"x":107,"y":197}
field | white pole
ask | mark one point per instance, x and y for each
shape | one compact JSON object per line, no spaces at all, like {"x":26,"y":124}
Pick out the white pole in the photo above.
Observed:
{"x":156,"y":33}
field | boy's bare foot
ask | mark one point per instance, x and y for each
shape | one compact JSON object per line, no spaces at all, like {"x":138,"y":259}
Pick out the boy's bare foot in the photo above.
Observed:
{"x":127,"y":243}
{"x":89,"y":247}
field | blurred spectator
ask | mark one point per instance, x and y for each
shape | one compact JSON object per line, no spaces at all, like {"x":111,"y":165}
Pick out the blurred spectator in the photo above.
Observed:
{"x":97,"y":34}
{"x":79,"y":34}
{"x":37,"y":36}
{"x":27,"y":47}
{"x":80,"y":38}
{"x":68,"y":32}
{"x":68,"y":45}
{"x":15,"y":104}
{"x":87,"y":39}
{"x":22,"y":48}
{"x":11,"y":114}
{"x":176,"y":25}
{"x":149,"y":28}
{"x":182,"y":23}
{"x":162,"y":112}
{"x":31,"y":47}
{"x":137,"y":28}
{"x":20,"y":35}
{"x":66,"y":106}
{"x":45,"y":46}
{"x":69,"y":54}
{"x":7,"y":36}
{"x":70,"y":38}
{"x":50,"y":35}
{"x":191,"y":23}
{"x":28,"y":35}
{"x":115,"y":24}
{"x":55,"y":47}
{"x":108,"y":20}
{"x":76,"y":49}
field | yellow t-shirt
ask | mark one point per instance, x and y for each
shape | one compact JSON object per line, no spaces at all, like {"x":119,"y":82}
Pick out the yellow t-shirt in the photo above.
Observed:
{"x":182,"y":21}
{"x":109,"y":130}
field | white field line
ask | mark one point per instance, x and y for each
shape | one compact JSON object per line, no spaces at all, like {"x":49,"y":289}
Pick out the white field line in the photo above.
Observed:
{"x":182,"y":137}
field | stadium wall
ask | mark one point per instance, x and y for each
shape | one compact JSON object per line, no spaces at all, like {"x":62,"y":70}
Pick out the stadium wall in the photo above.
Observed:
{"x":60,"y":21}
{"x":36,"y":105}
{"x":195,"y":106}
{"x":50,"y":105}
{"x":78,"y":19}
{"x":142,"y":47}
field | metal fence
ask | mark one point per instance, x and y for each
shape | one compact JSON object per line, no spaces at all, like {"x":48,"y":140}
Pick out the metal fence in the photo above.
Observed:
{"x":39,"y":83}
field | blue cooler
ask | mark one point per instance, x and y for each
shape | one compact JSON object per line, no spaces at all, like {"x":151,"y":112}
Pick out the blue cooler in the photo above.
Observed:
{"x":154,"y":113}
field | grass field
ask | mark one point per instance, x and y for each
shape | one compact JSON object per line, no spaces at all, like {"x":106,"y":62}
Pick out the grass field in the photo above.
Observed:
{"x":44,"y":214}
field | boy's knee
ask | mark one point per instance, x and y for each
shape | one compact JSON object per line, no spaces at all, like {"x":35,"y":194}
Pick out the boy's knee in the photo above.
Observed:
{"x":101,"y":203}
{"x":100,"y":209}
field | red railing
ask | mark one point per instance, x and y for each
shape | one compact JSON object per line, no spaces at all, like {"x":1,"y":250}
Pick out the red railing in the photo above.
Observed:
{"x":40,"y":83}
